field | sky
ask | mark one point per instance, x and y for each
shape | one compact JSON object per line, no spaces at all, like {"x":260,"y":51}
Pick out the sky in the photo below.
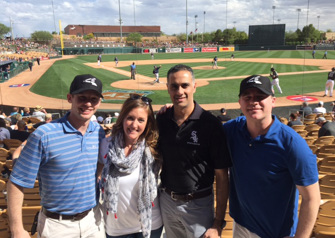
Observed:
{"x":28,"y":16}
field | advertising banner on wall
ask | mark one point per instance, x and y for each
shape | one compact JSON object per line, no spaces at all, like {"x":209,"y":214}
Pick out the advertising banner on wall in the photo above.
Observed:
{"x":209,"y":49}
{"x":221,"y":49}
{"x":149,"y":51}
{"x":191,"y":50}
{"x":173,"y":50}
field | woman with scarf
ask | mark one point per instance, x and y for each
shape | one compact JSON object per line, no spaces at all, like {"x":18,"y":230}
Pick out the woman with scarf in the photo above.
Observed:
{"x":129,"y":175}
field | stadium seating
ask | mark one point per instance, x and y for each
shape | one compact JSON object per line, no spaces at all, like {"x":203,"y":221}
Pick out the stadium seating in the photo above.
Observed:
{"x":32,"y":196}
{"x":4,"y":153}
{"x":308,"y":121}
{"x":313,"y":133}
{"x":324,"y":225}
{"x":324,"y":140}
{"x":12,"y":143}
{"x":311,"y":116}
{"x":298,"y":127}
{"x":326,"y":150}
{"x":303,"y":133}
{"x":4,"y":226}
{"x":314,"y":149}
{"x":312,"y":127}
{"x":310,"y":140}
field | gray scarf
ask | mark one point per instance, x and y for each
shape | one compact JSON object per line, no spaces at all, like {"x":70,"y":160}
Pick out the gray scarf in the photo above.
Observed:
{"x":118,"y":164}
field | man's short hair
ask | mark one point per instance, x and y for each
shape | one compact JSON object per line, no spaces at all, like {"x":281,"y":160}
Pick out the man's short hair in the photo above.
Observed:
{"x":180,"y":67}
{"x":21,"y":124}
{"x":48,"y":116}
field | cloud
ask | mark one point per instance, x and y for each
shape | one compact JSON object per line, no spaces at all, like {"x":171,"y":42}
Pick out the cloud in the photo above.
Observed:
{"x":36,"y":15}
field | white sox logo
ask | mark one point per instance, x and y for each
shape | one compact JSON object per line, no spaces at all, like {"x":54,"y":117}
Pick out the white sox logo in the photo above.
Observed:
{"x":91,"y":81}
{"x":254,"y":80}
{"x":194,"y":138}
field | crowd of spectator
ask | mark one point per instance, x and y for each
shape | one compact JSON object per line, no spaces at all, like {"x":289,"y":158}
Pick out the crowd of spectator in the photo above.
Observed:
{"x":23,"y":49}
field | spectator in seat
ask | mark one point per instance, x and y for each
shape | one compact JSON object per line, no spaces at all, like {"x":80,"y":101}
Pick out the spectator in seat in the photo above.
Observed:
{"x":26,"y":112}
{"x":100,"y":120}
{"x":14,"y":111}
{"x":320,"y":109}
{"x":39,"y":112}
{"x":48,"y":118}
{"x":21,"y":133}
{"x":294,"y":120}
{"x":8,"y":122}
{"x":327,"y":128}
{"x":305,"y":110}
{"x":223,"y":117}
{"x":4,"y":132}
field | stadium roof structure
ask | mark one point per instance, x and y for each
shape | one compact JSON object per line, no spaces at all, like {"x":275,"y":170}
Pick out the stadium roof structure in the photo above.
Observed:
{"x":111,"y":31}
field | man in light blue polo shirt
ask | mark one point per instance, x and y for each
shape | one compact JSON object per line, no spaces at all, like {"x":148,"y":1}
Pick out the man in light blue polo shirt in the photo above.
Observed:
{"x":63,"y":156}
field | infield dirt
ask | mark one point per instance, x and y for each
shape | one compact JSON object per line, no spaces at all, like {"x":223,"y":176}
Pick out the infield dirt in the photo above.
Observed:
{"x":23,"y":97}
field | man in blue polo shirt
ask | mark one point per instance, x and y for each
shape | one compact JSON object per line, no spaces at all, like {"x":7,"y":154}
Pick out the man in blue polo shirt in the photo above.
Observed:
{"x":272,"y":164}
{"x":63,"y":156}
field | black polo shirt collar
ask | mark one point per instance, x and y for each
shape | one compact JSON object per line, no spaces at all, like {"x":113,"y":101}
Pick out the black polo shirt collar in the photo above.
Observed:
{"x":195,"y":115}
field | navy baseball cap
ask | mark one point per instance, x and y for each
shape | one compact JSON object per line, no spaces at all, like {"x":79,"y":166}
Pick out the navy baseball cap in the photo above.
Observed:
{"x":86,"y":82}
{"x":256,"y":81}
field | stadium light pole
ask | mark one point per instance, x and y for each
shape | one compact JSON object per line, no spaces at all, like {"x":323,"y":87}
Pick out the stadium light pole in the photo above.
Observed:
{"x":273,"y":20}
{"x":11,"y":28}
{"x":53,"y":12}
{"x":186,"y":25}
{"x":195,"y":23}
{"x":307,"y":13}
{"x":120,"y":20}
{"x":134,"y":13}
{"x":298,"y":10}
{"x":204,"y":26}
{"x":318,"y":23}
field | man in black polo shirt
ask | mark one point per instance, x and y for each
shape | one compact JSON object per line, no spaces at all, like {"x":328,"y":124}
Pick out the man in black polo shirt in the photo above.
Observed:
{"x":194,"y":149}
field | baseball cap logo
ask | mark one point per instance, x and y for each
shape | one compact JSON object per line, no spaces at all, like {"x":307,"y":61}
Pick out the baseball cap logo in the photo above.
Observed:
{"x":254,"y":80}
{"x":91,"y":81}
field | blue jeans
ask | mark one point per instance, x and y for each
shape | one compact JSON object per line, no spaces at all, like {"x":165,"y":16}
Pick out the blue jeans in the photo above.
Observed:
{"x":154,"y":234}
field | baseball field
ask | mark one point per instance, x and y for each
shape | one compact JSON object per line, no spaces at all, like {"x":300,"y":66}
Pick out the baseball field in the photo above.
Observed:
{"x":48,"y":83}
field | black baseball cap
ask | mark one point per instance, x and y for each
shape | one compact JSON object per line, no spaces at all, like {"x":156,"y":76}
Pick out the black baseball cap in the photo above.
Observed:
{"x":86,"y":82}
{"x":256,"y":81}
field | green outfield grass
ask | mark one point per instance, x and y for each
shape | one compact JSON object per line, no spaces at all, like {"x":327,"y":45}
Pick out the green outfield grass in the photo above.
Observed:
{"x":56,"y":81}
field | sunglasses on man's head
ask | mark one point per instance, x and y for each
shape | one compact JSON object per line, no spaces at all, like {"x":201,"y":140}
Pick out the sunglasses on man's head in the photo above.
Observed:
{"x":143,"y":98}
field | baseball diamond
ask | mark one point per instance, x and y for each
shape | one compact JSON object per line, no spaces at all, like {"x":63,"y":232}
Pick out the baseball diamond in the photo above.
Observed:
{"x":22,"y":96}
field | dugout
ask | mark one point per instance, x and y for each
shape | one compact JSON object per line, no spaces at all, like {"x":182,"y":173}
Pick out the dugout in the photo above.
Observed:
{"x":265,"y":35}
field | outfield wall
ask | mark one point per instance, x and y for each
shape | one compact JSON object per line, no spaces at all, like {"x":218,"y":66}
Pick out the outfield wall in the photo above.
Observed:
{"x":86,"y":50}
{"x":83,"y":50}
{"x":265,"y":47}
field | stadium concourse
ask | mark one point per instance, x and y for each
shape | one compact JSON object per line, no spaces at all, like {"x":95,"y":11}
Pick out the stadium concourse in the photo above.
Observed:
{"x":23,"y":97}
